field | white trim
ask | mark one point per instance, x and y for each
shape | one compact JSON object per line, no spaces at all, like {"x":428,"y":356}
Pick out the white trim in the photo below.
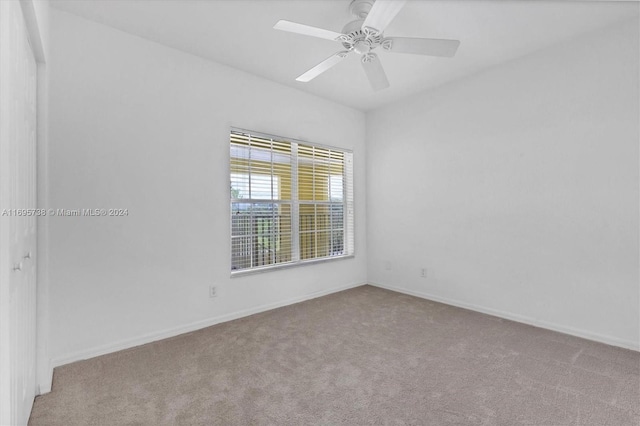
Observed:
{"x":45,"y":379}
{"x":187,"y":328}
{"x":609,"y":340}
{"x":44,"y":370}
{"x":291,"y":264}
{"x":295,"y":206}
{"x":246,"y":136}
{"x":37,"y":36}
{"x":33,"y":28}
{"x":155,"y":336}
{"x":5,"y":199}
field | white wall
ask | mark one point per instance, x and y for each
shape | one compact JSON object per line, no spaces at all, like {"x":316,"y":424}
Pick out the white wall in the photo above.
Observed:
{"x":517,"y":189}
{"x":140,"y":126}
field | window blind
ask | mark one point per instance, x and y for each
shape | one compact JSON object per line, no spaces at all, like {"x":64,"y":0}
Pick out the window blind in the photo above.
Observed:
{"x":290,"y":201}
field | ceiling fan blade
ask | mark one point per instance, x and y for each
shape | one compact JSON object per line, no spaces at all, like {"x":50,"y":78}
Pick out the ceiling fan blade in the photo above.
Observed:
{"x":294,"y":27}
{"x":331,"y":61}
{"x":422,"y":46}
{"x":375,"y":73}
{"x":381,"y":15}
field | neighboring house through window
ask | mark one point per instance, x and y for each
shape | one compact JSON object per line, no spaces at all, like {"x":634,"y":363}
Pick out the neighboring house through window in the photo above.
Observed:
{"x":291,"y":201}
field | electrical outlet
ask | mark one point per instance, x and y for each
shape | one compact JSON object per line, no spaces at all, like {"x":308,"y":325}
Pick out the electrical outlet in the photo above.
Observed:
{"x":213,"y":291}
{"x":423,"y":272}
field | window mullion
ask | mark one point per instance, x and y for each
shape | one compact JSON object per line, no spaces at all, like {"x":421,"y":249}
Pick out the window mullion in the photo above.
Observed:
{"x":349,"y":226}
{"x":272,"y":236}
{"x":295,"y":208}
{"x":330,"y":206}
{"x":250,"y":166}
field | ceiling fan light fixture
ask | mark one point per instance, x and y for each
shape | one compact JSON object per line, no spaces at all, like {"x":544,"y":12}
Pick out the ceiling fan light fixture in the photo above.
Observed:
{"x":361,"y":47}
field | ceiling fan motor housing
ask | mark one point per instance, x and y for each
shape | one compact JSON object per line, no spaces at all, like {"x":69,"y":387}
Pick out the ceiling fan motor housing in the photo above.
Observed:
{"x":360,"y":8}
{"x":357,"y":40}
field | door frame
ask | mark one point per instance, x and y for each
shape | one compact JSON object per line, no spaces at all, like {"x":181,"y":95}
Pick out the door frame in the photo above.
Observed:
{"x":35,"y":14}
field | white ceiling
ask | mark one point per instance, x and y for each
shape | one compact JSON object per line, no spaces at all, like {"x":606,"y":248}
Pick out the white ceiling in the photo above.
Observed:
{"x":239,"y":33}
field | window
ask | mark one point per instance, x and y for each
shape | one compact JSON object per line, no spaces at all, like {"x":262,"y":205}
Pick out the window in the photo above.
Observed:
{"x":291,"y":202}
{"x":259,"y":188}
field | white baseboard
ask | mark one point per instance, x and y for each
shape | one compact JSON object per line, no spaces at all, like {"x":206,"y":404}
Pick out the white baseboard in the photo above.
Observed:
{"x":45,"y":386}
{"x":45,"y":381}
{"x":609,"y":340}
{"x":187,"y":328}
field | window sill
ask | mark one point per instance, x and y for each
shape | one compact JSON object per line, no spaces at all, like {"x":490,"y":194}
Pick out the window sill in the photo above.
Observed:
{"x":263,"y":269}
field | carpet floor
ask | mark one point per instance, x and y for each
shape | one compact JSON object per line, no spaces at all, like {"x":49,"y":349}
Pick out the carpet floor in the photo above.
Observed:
{"x":361,"y":356}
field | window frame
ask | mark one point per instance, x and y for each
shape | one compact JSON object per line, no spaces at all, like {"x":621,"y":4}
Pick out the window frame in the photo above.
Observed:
{"x":347,"y":203}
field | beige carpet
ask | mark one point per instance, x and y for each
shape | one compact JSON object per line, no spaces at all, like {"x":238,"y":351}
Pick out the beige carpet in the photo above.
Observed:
{"x":362,"y":356}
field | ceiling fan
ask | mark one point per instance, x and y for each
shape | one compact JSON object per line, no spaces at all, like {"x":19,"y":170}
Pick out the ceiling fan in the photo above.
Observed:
{"x":365,"y":34}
